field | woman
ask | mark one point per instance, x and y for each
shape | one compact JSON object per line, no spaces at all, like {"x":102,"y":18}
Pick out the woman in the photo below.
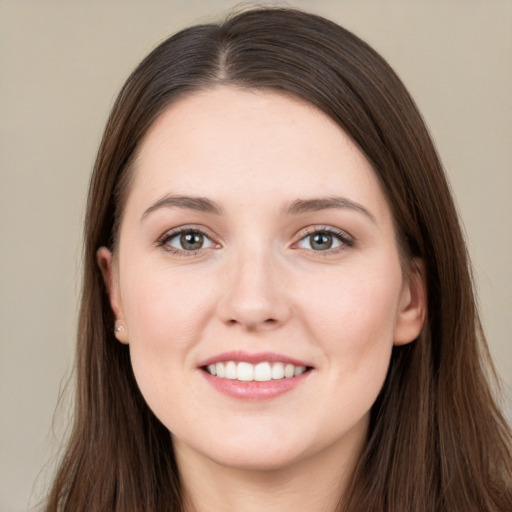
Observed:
{"x":277,"y":306}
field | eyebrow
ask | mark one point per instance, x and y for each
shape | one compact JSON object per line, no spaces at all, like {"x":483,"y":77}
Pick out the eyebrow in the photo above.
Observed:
{"x":297,"y":207}
{"x":301,"y":206}
{"x":199,"y":204}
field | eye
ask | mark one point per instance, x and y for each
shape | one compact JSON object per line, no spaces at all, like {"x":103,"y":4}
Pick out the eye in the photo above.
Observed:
{"x":187,"y":240}
{"x":325,"y":239}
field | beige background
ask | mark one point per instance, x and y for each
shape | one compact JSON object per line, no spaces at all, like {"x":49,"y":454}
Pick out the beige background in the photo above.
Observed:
{"x":61,"y":65}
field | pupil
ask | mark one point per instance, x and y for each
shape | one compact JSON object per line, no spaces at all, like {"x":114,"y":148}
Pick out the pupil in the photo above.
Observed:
{"x":191,"y":241}
{"x":321,"y":241}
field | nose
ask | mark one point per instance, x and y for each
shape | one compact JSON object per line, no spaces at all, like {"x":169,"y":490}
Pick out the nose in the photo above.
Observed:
{"x":254,"y":295}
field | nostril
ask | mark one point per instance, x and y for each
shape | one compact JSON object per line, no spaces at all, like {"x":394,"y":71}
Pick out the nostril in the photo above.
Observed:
{"x":252,"y":325}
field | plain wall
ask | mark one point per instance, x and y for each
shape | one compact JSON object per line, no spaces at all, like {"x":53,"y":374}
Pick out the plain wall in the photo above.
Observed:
{"x":61,"y":65}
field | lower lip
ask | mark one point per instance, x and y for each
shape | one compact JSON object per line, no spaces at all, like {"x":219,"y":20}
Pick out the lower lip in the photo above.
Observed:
{"x":255,"y":390}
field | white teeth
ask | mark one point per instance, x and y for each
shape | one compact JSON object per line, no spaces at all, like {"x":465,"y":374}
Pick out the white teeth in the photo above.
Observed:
{"x":299,"y":370}
{"x":278,"y":371}
{"x":221,"y":370}
{"x":261,"y":372}
{"x":231,"y":370}
{"x":245,"y":371}
{"x":289,"y":370}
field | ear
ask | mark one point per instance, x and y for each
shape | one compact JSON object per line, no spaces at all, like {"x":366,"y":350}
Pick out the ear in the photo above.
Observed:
{"x":106,"y":264}
{"x":413,"y":304}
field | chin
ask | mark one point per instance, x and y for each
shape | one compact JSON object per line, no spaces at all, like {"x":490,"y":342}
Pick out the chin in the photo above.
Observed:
{"x":258,"y":459}
{"x":244,"y":452}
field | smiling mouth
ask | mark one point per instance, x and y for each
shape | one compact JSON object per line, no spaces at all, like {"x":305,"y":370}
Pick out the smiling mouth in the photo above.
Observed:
{"x":261,"y":372}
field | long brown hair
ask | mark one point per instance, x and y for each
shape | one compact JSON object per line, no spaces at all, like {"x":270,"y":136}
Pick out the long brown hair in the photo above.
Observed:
{"x":437,"y":441}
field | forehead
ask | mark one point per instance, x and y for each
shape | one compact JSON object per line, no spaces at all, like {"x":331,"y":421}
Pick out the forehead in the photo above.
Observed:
{"x":228,"y":141}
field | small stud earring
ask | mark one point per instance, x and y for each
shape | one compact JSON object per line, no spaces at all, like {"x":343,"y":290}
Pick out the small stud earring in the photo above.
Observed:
{"x":118,"y":328}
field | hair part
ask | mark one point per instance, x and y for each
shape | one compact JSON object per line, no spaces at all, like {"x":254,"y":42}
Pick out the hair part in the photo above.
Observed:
{"x":437,"y":439}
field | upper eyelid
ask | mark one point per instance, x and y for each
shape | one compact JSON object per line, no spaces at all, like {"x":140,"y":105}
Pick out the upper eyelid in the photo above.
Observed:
{"x":311,"y":230}
{"x":170,"y":233}
{"x":173,"y":234}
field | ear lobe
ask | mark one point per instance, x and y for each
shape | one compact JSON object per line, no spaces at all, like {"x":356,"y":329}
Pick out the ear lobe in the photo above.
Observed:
{"x":413,"y":304}
{"x":105,"y":262}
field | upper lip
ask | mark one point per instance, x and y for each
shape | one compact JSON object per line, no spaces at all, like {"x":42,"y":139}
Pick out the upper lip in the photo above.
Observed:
{"x":253,"y":358}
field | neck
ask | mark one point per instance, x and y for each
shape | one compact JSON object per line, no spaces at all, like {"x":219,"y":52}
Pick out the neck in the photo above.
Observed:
{"x":316,"y":483}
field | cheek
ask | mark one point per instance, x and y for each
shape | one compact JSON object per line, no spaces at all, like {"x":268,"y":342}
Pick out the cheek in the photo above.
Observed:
{"x":353,"y":325}
{"x":165,"y":309}
{"x":354,"y":320}
{"x":165,"y":314}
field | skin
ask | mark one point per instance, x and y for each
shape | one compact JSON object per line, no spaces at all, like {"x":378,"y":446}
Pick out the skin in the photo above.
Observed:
{"x":257,"y":284}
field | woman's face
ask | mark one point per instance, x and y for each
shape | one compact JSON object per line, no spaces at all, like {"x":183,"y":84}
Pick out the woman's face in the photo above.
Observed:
{"x":256,"y":244}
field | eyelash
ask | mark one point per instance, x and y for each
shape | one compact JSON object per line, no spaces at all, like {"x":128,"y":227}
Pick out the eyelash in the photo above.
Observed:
{"x":163,"y":242}
{"x":346,"y":241}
